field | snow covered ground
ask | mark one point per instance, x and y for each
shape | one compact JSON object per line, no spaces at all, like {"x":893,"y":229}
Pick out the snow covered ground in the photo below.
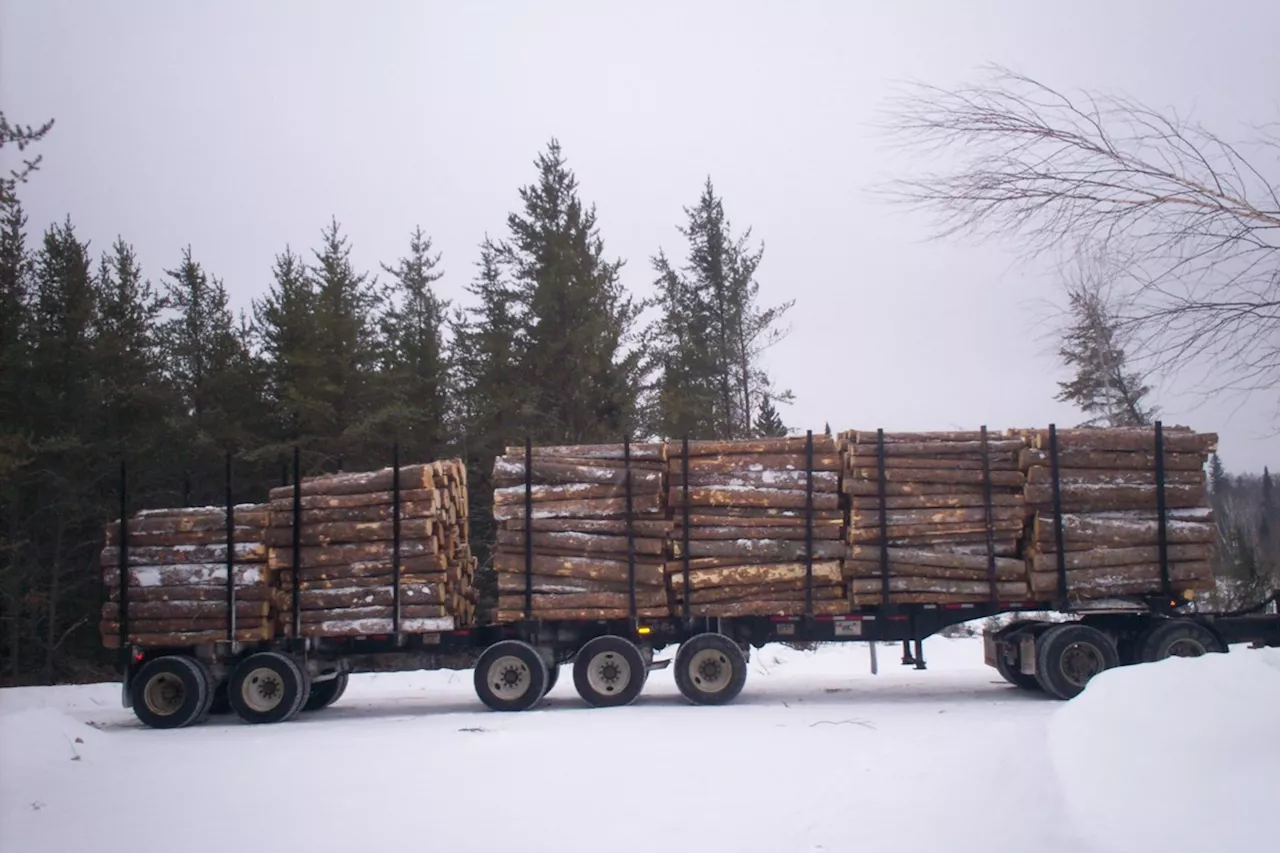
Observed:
{"x":816,"y":754}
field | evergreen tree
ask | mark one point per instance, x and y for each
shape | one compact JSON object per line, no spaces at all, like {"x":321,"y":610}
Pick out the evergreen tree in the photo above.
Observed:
{"x":711,"y":333}
{"x":826,"y":430}
{"x":577,"y":320}
{"x":768,"y":421}
{"x":413,"y":398}
{"x":286,"y":323}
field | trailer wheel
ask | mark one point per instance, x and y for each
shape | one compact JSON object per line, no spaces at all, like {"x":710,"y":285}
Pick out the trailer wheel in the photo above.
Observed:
{"x":325,"y":693}
{"x":170,"y":692}
{"x":511,"y":676}
{"x":1069,"y":655}
{"x":710,"y":669}
{"x":609,"y":672}
{"x":267,"y":687}
{"x":1012,"y":673}
{"x":553,"y":675}
{"x":1176,"y":638}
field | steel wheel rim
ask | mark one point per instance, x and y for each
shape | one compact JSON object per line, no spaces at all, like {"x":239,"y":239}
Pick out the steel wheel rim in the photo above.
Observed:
{"x":510,"y":678}
{"x":263,"y":689}
{"x":164,"y":694}
{"x":710,"y":670}
{"x":1186,"y":647}
{"x":608,"y":673}
{"x":1080,"y":662}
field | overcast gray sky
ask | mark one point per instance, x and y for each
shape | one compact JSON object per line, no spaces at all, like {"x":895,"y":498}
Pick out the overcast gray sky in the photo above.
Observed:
{"x":240,"y":127}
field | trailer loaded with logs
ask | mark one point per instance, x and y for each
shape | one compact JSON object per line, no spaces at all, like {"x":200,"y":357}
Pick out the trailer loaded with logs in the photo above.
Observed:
{"x":604,"y":554}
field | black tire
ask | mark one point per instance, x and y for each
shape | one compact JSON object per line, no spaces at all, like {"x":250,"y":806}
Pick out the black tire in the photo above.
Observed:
{"x":170,"y":692}
{"x":710,"y":669}
{"x":267,"y":687}
{"x":1012,"y":673}
{"x":325,"y":693}
{"x":1068,"y":655}
{"x":1176,"y":638}
{"x":553,"y":674}
{"x":511,"y":676}
{"x":609,"y":672}
{"x":220,"y":704}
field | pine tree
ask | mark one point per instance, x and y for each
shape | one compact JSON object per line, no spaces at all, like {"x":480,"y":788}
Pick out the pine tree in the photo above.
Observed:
{"x":826,"y":430}
{"x":1104,"y":387}
{"x":768,"y":421}
{"x":577,"y":319}
{"x":414,"y":379}
{"x":286,"y":323}
{"x":711,"y":334}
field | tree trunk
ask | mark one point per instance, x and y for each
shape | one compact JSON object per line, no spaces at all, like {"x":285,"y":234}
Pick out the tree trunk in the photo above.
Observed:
{"x":741,"y":575}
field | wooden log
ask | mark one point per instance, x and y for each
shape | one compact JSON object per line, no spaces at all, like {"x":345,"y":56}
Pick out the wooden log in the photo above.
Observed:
{"x":997,"y":462}
{"x":639,"y":452}
{"x":353,"y":614}
{"x":757,"y":446}
{"x":972,"y":437}
{"x":647,"y":528}
{"x":551,"y":585}
{"x":958,"y":543}
{"x":179,"y":639}
{"x":588,"y":508}
{"x":824,"y":532}
{"x":508,"y":471}
{"x":776,"y":550}
{"x":1142,"y":439}
{"x":823,"y":481}
{"x":183,"y":520}
{"x":1120,"y":530}
{"x":745,"y":515}
{"x":432,"y":563}
{"x":158,"y":594}
{"x":747,"y":496}
{"x":739,"y":463}
{"x":191,"y":576}
{"x":943,"y":586}
{"x":781,"y":591}
{"x":379,"y":596}
{"x":915,"y":517}
{"x":590,"y":568}
{"x":876,"y":600}
{"x":185,"y":609}
{"x":167,"y":538}
{"x":168,"y":555}
{"x":1070,"y":457}
{"x":996,"y":446}
{"x":706,"y":526}
{"x":412,"y":477}
{"x":305,"y":585}
{"x":586,"y":600}
{"x":1006,"y":570}
{"x":922,"y":557}
{"x":572,"y":492}
{"x":1097,"y":558}
{"x":349,"y":552}
{"x":1043,"y":476}
{"x":568,"y":615}
{"x":868,"y":488}
{"x":929,"y":532}
{"x":863,"y":505}
{"x":581,"y":543}
{"x":335,"y":532}
{"x":283,"y":518}
{"x":937,"y":476}
{"x":372,"y":627}
{"x":1087,"y":497}
{"x":433,"y":498}
{"x":741,"y":575}
{"x":179,"y":625}
{"x":769,"y":608}
{"x":1110,"y":577}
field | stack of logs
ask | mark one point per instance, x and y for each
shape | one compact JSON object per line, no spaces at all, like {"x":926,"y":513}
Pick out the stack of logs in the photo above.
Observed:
{"x":950,"y":520}
{"x":1107,"y":489}
{"x":578,"y":532}
{"x":177,"y":577}
{"x":346,"y":575}
{"x":747,"y":506}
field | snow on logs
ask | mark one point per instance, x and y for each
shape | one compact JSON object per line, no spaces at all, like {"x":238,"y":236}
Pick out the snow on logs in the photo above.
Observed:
{"x":933,"y":513}
{"x":1107,"y":490}
{"x":573,"y":520}
{"x":748,"y":527}
{"x":346,"y":574}
{"x":177,"y":577}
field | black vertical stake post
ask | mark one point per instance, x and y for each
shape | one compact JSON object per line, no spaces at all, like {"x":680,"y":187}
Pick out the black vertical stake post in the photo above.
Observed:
{"x":808,"y":525}
{"x":1162,"y":524}
{"x":231,"y":558}
{"x":124,"y":565}
{"x":631,"y":531}
{"x":1059,"y":541}
{"x":684,"y":471}
{"x":990,"y":517}
{"x":884,"y":519}
{"x":395,"y":540}
{"x":296,"y":559}
{"x":528,"y":527}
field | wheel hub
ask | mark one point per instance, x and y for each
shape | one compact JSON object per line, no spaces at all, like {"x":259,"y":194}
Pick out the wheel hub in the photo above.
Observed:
{"x":710,"y":670}
{"x":164,"y":694}
{"x":511,"y":677}
{"x":609,"y":673}
{"x":1081,"y":662}
{"x":1186,"y":648}
{"x":263,"y":689}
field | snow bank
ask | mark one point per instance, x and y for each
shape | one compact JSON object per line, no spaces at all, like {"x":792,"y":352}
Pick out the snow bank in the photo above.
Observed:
{"x":1173,"y":756}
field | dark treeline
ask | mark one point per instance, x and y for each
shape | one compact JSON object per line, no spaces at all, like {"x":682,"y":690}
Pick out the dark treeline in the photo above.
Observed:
{"x":101,"y":359}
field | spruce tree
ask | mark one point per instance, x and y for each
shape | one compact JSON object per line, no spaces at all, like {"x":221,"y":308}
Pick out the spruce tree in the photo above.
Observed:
{"x":577,"y":319}
{"x":286,"y":323}
{"x":768,"y":421}
{"x":414,"y":379}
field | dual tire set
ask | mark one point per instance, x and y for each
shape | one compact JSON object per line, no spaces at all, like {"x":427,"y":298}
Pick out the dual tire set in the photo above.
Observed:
{"x":268,"y":687}
{"x":608,"y":671}
{"x":1069,"y":655}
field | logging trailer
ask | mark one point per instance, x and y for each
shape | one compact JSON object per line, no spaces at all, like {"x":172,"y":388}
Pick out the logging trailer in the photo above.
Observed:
{"x":516,"y":664}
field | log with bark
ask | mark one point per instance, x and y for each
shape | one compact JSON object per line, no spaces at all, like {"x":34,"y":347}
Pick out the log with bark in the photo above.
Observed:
{"x":947,"y":514}
{"x":583,"y":545}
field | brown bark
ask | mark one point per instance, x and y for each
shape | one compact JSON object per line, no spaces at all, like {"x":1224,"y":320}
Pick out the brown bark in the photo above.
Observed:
{"x":1111,"y":577}
{"x":1069,"y":457}
{"x":1085,"y":498}
{"x":910,"y":447}
{"x":581,"y":543}
{"x":754,"y":531}
{"x":168,"y":538}
{"x":351,"y":552}
{"x":1006,"y":570}
{"x":374,"y":582}
{"x":955,"y":532}
{"x":937,"y":476}
{"x":1118,"y":530}
{"x":823,"y":481}
{"x":876,"y":600}
{"x":352,"y":614}
{"x":590,"y":568}
{"x":740,"y":515}
{"x":412,"y":477}
{"x":1141,"y":439}
{"x":352,"y":532}
{"x":210,"y":574}
{"x":159,"y":594}
{"x":1104,"y":557}
{"x":863,"y":505}
{"x":909,"y":517}
{"x":379,"y":596}
{"x":1002,"y":462}
{"x":430,"y":497}
{"x":1043,"y":476}
{"x":647,"y":599}
{"x":769,"y":608}
{"x":737,"y":463}
{"x":373,"y":627}
{"x":592,"y":508}
{"x":184,"y":610}
{"x":602,"y":526}
{"x":748,"y":447}
{"x":283,"y":519}
{"x":508,"y":472}
{"x":429,"y":564}
{"x":177,"y":625}
{"x":776,"y":550}
{"x":205,"y":520}
{"x":971,"y":437}
{"x":780,"y":591}
{"x":165,"y":555}
{"x":751,"y":497}
{"x":868,"y":488}
{"x":639,"y":452}
{"x":567,"y":615}
{"x":550,"y":585}
{"x":742,"y":575}
{"x":572,"y":492}
{"x":111,"y":637}
{"x":920,"y":557}
{"x":1004,"y":589}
